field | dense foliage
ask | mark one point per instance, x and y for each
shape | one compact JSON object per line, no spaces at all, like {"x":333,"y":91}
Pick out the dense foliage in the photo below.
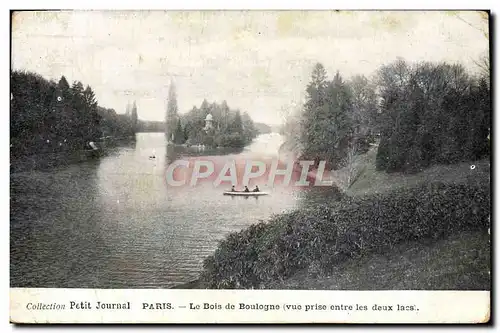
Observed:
{"x":326,"y":235}
{"x":337,"y":118}
{"x":131,"y":113}
{"x":262,"y":128}
{"x":172,"y":118}
{"x":150,"y":126}
{"x":431,"y":114}
{"x":49,"y":117}
{"x":230,"y":128}
{"x":423,"y":114}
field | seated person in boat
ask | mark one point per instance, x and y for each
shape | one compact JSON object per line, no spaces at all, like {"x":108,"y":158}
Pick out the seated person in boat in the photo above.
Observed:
{"x":246,"y":189}
{"x":256,"y":189}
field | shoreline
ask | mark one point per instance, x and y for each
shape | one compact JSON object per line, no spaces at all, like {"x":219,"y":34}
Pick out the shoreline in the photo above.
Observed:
{"x":399,"y":262}
{"x":306,"y":231}
{"x":193,"y":284}
{"x":471,"y":274}
{"x":55,"y":159}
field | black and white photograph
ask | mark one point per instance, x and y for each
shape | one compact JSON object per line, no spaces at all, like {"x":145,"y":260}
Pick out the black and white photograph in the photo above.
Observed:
{"x":249,"y":150}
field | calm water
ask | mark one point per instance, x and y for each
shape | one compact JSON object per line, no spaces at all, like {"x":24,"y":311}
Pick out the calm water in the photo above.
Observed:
{"x":114,"y":223}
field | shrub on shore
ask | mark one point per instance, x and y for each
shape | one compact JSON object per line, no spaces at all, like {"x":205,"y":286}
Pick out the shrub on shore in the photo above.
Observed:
{"x":328,"y":234}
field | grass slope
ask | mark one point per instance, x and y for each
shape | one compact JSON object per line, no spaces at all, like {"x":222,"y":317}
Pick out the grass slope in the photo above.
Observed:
{"x":459,"y":262}
{"x":369,"y":180}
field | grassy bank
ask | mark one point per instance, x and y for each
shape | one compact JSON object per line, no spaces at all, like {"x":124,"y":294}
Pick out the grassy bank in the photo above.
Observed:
{"x":431,"y":216}
{"x":369,"y":180}
{"x":459,"y":261}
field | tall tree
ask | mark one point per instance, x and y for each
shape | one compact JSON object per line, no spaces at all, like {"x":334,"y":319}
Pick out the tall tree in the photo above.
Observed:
{"x":237,"y":124}
{"x":172,"y":110}
{"x":61,"y":106}
{"x":364,"y":104}
{"x":313,"y":108}
{"x":128,"y":110}
{"x":89,"y":98}
{"x":80,"y":116}
{"x":224,"y":117}
{"x":133,"y":116}
{"x":337,"y":126}
{"x":249,"y":131}
{"x":179,"y":137}
{"x":318,"y":79}
{"x":326,"y":125}
{"x":63,"y":84}
{"x":92,"y":118}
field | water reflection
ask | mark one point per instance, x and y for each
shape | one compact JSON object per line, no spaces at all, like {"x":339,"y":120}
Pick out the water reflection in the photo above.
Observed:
{"x":117,"y":224}
{"x":174,"y":152}
{"x":53,"y":227}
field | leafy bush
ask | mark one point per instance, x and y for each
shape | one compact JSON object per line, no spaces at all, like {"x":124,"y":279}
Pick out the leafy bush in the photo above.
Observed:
{"x":326,"y":235}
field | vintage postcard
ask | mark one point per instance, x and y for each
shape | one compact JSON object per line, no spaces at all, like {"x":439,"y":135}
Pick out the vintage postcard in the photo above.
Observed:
{"x":250,"y":166}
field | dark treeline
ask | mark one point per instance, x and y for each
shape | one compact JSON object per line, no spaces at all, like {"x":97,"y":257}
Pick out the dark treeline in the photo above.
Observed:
{"x":421,"y":114}
{"x":51,"y":117}
{"x":116,"y":125}
{"x":159,"y":126}
{"x":431,"y":114}
{"x":150,"y":126}
{"x":228,"y":127}
{"x":262,"y":128}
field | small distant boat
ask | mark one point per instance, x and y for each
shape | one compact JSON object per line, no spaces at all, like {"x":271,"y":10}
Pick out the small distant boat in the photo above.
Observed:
{"x":241,"y":193}
{"x":151,"y":157}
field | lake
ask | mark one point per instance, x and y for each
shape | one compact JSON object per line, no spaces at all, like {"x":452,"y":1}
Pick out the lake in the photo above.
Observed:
{"x":116,"y":223}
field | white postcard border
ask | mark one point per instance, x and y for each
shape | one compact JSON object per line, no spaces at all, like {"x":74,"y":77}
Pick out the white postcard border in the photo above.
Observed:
{"x":94,"y":5}
{"x":31,"y":305}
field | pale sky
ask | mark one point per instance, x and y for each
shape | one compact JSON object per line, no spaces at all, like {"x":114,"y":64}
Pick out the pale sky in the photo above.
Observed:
{"x":258,"y":61}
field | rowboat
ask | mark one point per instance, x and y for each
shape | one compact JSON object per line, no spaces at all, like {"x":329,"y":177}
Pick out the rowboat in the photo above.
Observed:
{"x":241,"y":193}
